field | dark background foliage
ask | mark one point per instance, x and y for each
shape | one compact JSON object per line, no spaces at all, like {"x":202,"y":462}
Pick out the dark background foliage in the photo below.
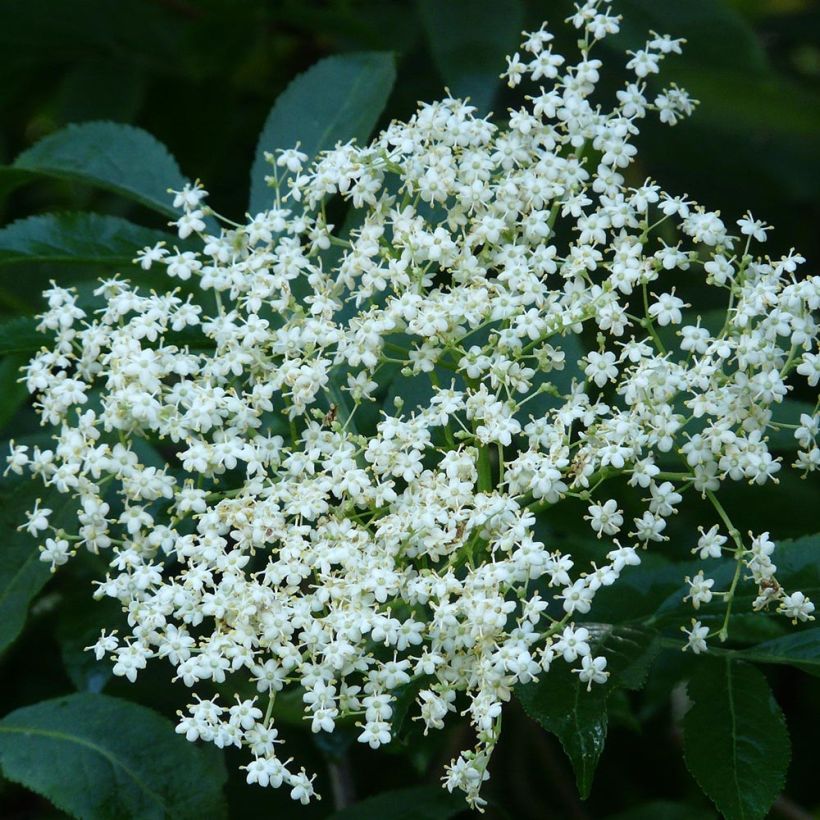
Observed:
{"x":201,"y":75}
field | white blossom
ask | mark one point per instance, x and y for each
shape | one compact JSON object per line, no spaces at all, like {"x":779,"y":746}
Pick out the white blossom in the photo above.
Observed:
{"x":305,"y":536}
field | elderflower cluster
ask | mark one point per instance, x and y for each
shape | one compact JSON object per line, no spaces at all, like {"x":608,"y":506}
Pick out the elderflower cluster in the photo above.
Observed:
{"x":273,"y":524}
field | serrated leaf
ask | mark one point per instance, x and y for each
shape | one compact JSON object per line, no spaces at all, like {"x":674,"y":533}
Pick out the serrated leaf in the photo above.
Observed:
{"x":22,"y":574}
{"x":99,"y":757}
{"x":422,"y":803}
{"x":630,"y":651}
{"x":800,"y":649}
{"x":735,"y":740}
{"x":338,"y":99}
{"x":643,"y":591}
{"x":577,"y":716}
{"x":469,"y":40}
{"x":119,"y":158}
{"x":75,"y":237}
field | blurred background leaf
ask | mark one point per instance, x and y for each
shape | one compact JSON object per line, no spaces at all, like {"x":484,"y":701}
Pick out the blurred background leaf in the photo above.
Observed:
{"x":337,"y":100}
{"x":469,"y":40}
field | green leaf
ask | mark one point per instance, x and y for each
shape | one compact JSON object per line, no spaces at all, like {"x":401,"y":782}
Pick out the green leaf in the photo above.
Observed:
{"x":78,"y":625}
{"x":661,"y":810}
{"x":798,"y":568}
{"x":75,"y":237}
{"x":560,"y":380}
{"x":99,"y":757}
{"x":469,"y":40}
{"x":116,"y":157}
{"x":14,"y":392}
{"x":20,"y":335}
{"x":22,"y":573}
{"x":578,"y":717}
{"x":735,"y":740}
{"x":422,"y":803}
{"x":338,"y":99}
{"x":645,"y":590}
{"x":799,"y":649}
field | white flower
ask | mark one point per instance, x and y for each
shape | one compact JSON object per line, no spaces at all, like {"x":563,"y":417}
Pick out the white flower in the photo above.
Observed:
{"x":593,"y":670}
{"x":37,"y":519}
{"x":606,"y":518}
{"x":696,"y":637}
{"x":797,"y":606}
{"x":150,"y":254}
{"x":700,"y":589}
{"x":749,"y":226}
{"x":710,"y":543}
{"x":56,"y":552}
{"x":572,"y":643}
{"x":366,"y":423}
{"x":601,"y":367}
{"x":188,"y":223}
{"x":577,"y":597}
{"x":667,"y":309}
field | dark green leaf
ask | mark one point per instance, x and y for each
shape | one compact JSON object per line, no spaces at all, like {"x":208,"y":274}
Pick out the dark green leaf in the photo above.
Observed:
{"x":560,"y":380}
{"x":75,"y":237}
{"x":644,"y":590}
{"x":578,"y":717}
{"x":79,"y":623}
{"x":422,"y":803}
{"x":338,"y":99}
{"x":735,"y":740}
{"x":20,"y":335}
{"x":11,"y":178}
{"x":800,"y":649}
{"x":469,"y":40}
{"x":108,"y":155}
{"x":798,"y":567}
{"x":661,"y":810}
{"x":100,"y":757}
{"x":13,"y":391}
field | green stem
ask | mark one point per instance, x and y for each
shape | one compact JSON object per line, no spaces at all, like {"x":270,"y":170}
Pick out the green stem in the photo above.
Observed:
{"x":448,"y":431}
{"x":649,"y":325}
{"x":485,"y":477}
{"x":729,"y":596}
